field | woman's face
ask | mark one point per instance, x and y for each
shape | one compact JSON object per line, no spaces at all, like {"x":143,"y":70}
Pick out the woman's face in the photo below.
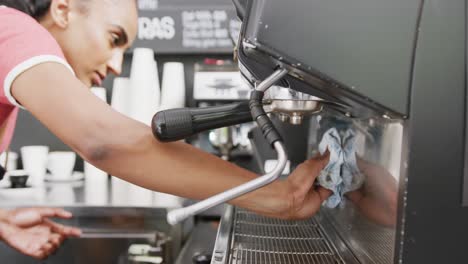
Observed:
{"x":96,"y":36}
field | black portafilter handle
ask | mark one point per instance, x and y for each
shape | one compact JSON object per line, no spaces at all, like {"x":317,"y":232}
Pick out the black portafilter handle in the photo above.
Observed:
{"x":180,"y":123}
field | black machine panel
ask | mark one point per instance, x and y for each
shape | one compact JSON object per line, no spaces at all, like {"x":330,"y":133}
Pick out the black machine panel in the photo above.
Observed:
{"x":364,"y":45}
{"x":435,"y":229}
{"x":407,"y":57}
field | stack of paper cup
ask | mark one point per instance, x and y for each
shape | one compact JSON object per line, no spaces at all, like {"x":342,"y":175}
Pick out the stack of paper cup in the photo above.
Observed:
{"x":128,"y":194}
{"x":121,"y":94}
{"x":173,"y":86}
{"x":172,"y":96}
{"x":119,"y":192}
{"x":122,"y":103}
{"x":96,"y":191}
{"x":144,"y":103}
{"x":165,"y":200}
{"x":138,"y":196}
{"x":144,"y":83}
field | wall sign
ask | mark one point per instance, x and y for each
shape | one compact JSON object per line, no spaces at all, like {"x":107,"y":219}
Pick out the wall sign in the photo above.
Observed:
{"x":187,"y":26}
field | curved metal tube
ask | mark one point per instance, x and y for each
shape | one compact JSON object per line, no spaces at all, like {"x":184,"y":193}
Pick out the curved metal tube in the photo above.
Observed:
{"x":177,"y":215}
{"x":272,"y":79}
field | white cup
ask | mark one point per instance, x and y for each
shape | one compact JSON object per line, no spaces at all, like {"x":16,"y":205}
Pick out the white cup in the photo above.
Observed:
{"x":96,"y":180}
{"x":35,"y":163}
{"x":12,"y":163}
{"x":92,"y":173}
{"x":144,"y":84}
{"x":121,"y":95}
{"x":173,"y":86}
{"x":120,"y":192}
{"x":167,"y":200}
{"x":139,"y":196}
{"x":61,"y":164}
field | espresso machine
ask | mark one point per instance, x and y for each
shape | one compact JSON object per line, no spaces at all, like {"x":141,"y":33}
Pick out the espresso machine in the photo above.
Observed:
{"x":375,"y":70}
{"x":218,"y":82}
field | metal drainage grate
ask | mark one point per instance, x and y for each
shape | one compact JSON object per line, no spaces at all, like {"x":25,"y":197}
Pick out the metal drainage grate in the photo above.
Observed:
{"x":259,"y":240}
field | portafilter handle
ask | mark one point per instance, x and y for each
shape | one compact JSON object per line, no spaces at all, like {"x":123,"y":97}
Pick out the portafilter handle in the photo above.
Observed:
{"x":175,"y":124}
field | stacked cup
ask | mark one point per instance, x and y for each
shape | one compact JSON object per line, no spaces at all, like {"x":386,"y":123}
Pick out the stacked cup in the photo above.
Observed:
{"x":172,"y":96}
{"x":144,"y":83}
{"x":121,"y":93}
{"x":144,"y":102}
{"x":173,"y":86}
{"x":96,"y":191}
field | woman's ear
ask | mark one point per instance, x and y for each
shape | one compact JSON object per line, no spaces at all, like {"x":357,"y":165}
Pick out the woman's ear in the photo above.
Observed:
{"x":60,"y":12}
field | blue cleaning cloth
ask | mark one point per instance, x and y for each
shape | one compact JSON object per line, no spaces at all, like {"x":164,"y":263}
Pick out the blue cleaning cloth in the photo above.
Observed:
{"x":341,"y":175}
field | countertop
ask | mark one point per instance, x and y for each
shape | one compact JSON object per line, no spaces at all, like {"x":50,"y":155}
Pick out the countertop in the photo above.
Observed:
{"x":98,"y":192}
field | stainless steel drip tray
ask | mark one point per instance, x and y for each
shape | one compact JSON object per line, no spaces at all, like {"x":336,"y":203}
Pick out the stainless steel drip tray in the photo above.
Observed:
{"x":244,"y":237}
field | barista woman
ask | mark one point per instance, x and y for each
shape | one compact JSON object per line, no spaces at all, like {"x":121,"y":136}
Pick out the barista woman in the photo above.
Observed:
{"x":51,"y":52}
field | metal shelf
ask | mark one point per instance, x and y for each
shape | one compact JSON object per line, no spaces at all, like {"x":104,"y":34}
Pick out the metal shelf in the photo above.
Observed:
{"x":258,"y":239}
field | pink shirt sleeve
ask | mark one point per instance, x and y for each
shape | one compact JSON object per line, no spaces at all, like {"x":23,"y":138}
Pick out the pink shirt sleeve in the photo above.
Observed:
{"x":24,"y":43}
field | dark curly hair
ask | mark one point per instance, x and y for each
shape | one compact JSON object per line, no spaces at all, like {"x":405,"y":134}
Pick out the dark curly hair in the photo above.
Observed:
{"x":34,"y":8}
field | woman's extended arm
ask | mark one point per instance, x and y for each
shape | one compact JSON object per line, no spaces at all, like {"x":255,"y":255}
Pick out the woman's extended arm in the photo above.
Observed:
{"x":127,"y":149}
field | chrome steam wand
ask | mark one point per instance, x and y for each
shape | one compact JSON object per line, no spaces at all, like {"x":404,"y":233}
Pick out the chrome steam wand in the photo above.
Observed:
{"x":258,"y":115}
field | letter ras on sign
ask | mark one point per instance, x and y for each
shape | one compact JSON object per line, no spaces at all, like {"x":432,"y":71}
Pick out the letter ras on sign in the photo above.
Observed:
{"x":187,"y":26}
{"x":156,"y":28}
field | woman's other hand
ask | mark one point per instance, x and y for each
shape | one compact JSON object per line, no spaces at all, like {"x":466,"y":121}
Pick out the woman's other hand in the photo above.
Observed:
{"x":377,"y":199}
{"x":31,"y":232}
